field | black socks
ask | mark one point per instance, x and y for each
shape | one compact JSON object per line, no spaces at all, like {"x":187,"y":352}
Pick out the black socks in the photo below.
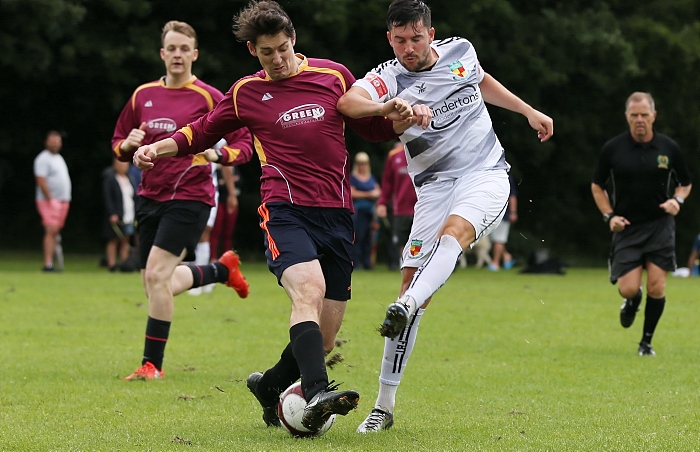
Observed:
{"x":157,"y":332}
{"x":207,"y":274}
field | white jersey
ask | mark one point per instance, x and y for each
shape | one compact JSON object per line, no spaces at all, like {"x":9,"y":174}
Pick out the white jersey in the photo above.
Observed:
{"x":460,"y":138}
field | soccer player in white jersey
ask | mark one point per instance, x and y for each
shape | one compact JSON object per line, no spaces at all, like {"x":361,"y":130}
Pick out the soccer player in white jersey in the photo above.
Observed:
{"x":457,"y":165}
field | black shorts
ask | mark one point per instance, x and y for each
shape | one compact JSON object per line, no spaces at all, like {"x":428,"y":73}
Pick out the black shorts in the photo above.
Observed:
{"x":652,"y":241}
{"x":172,"y":225}
{"x":296,"y":234}
{"x":401,"y":229}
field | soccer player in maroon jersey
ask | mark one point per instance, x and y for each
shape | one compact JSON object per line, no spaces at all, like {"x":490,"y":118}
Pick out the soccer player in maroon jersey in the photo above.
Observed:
{"x":176,"y":199}
{"x":290,"y":107}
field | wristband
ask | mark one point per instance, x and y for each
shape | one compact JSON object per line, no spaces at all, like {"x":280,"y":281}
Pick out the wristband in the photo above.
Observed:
{"x":608,"y":216}
{"x":679,"y":200}
{"x":219,"y":155}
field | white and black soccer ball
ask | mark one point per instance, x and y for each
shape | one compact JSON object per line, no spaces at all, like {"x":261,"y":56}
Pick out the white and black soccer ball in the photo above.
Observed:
{"x":291,"y":409}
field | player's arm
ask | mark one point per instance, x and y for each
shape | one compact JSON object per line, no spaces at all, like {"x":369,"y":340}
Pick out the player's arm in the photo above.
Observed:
{"x":232,"y":200}
{"x":496,"y":94}
{"x":43,"y":186}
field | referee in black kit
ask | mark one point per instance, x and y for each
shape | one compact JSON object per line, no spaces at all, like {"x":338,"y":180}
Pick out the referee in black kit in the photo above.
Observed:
{"x":639,"y":186}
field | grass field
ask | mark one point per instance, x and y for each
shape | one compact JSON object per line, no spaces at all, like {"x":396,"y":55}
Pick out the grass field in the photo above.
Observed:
{"x":504,"y":361}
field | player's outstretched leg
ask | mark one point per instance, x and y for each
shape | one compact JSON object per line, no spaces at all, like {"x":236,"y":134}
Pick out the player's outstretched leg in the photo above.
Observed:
{"x":629,"y":308}
{"x":269,"y":410}
{"x":396,"y":317}
{"x":327,"y":402}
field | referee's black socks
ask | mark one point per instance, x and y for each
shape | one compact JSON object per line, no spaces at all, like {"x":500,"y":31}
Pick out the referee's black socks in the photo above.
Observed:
{"x":652,"y":313}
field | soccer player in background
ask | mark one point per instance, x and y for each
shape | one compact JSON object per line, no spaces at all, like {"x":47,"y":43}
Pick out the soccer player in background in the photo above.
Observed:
{"x":648,"y":182}
{"x":457,"y":163}
{"x":176,"y":198}
{"x":290,"y":107}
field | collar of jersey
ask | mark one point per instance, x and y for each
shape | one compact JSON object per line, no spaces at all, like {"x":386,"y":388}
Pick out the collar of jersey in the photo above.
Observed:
{"x":188,"y":82}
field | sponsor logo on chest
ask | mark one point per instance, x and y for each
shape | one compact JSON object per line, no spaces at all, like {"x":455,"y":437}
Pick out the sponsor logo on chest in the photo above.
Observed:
{"x":302,"y":114}
{"x":165,"y":124}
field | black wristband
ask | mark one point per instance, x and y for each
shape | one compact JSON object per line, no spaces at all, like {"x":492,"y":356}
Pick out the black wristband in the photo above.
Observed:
{"x":608,"y":216}
{"x":219,"y":154}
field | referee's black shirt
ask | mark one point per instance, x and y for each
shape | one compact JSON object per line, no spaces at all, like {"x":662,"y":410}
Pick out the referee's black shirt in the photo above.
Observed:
{"x":640,"y":176}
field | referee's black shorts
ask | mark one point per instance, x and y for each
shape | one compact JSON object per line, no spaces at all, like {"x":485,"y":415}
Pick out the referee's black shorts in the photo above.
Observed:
{"x":296,"y":234}
{"x":172,"y":225}
{"x":652,"y":241}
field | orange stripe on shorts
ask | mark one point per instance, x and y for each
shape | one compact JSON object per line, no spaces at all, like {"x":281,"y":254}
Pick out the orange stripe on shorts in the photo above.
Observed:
{"x":271,"y":245}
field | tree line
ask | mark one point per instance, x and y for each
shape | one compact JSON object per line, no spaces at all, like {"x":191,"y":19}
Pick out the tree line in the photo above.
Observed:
{"x":72,"y":64}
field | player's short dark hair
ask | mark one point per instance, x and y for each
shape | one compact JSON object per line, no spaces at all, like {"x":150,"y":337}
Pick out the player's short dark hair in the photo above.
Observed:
{"x":405,"y":12}
{"x":261,"y":17}
{"x":179,"y":27}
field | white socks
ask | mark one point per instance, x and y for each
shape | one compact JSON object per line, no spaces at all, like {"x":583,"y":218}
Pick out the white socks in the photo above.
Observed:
{"x":396,"y":354}
{"x":435,"y":271}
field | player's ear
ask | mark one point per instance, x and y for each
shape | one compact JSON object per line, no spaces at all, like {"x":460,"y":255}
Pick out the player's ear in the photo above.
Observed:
{"x":195,"y":54}
{"x":162,"y":54}
{"x":431,"y":34}
{"x":294,"y":39}
{"x":251,"y":48}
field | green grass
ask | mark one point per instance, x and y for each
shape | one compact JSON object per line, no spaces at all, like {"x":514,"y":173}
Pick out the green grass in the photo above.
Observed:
{"x":504,"y":361}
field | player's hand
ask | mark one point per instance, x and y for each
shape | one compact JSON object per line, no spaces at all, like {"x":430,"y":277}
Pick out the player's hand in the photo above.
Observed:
{"x":231,"y":203}
{"x":381,"y":211}
{"x":543,"y":124}
{"x":397,"y":109}
{"x":144,"y":156}
{"x":671,"y":206}
{"x":422,"y":115}
{"x":618,"y":223}
{"x":135,"y":138}
{"x":210,"y":154}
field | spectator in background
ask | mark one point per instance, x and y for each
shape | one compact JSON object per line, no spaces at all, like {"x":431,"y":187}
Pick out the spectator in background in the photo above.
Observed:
{"x":118,"y":193}
{"x":53,"y":196}
{"x":365,"y":192}
{"x":228,"y":178}
{"x":693,"y":259}
{"x":639,"y":186}
{"x":499,"y":237}
{"x":399,"y":193}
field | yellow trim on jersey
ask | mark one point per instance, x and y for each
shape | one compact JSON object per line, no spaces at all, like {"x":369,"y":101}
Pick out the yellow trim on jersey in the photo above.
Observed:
{"x":187,"y":132}
{"x":203,"y":92}
{"x":144,"y":86}
{"x":232,"y":153}
{"x":325,"y":70}
{"x":260,"y":151}
{"x":393,"y":152}
{"x":118,"y":148}
{"x":235,"y":92}
{"x":199,"y":159}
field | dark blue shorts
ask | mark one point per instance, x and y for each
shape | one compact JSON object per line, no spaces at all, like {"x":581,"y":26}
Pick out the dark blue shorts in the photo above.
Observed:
{"x":173,"y":226}
{"x":296,"y":234}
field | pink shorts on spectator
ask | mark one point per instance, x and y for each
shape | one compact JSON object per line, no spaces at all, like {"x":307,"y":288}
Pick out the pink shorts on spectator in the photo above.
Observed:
{"x":53,"y":213}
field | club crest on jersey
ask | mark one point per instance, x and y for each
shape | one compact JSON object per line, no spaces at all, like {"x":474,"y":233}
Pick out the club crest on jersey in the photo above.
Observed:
{"x":662,"y":161}
{"x":459,"y":70}
{"x":302,"y":114}
{"x":415,"y":248}
{"x":165,"y":124}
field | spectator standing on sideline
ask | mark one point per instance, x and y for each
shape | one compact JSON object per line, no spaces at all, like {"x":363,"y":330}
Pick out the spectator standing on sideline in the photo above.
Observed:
{"x":499,"y":237}
{"x":305,"y":188}
{"x":176,"y":199}
{"x":365,"y":192}
{"x":118,"y":196}
{"x":639,"y":186}
{"x":53,"y":197}
{"x":227,"y":215}
{"x":399,"y":192}
{"x":693,"y":262}
{"x":457,"y":163}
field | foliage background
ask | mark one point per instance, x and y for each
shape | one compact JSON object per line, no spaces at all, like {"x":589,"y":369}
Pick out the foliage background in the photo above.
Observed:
{"x":72,"y":64}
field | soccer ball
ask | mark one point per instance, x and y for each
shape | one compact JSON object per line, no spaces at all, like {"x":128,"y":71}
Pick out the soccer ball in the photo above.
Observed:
{"x":291,"y":409}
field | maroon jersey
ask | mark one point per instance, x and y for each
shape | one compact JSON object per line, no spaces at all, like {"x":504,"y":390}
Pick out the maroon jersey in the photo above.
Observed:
{"x":397,"y":187}
{"x":165,"y":110}
{"x":299,"y":134}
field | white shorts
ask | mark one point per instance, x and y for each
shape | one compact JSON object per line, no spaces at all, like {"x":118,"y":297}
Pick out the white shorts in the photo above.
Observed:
{"x":479,"y":197}
{"x":500,"y":234}
{"x":212,"y":214}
